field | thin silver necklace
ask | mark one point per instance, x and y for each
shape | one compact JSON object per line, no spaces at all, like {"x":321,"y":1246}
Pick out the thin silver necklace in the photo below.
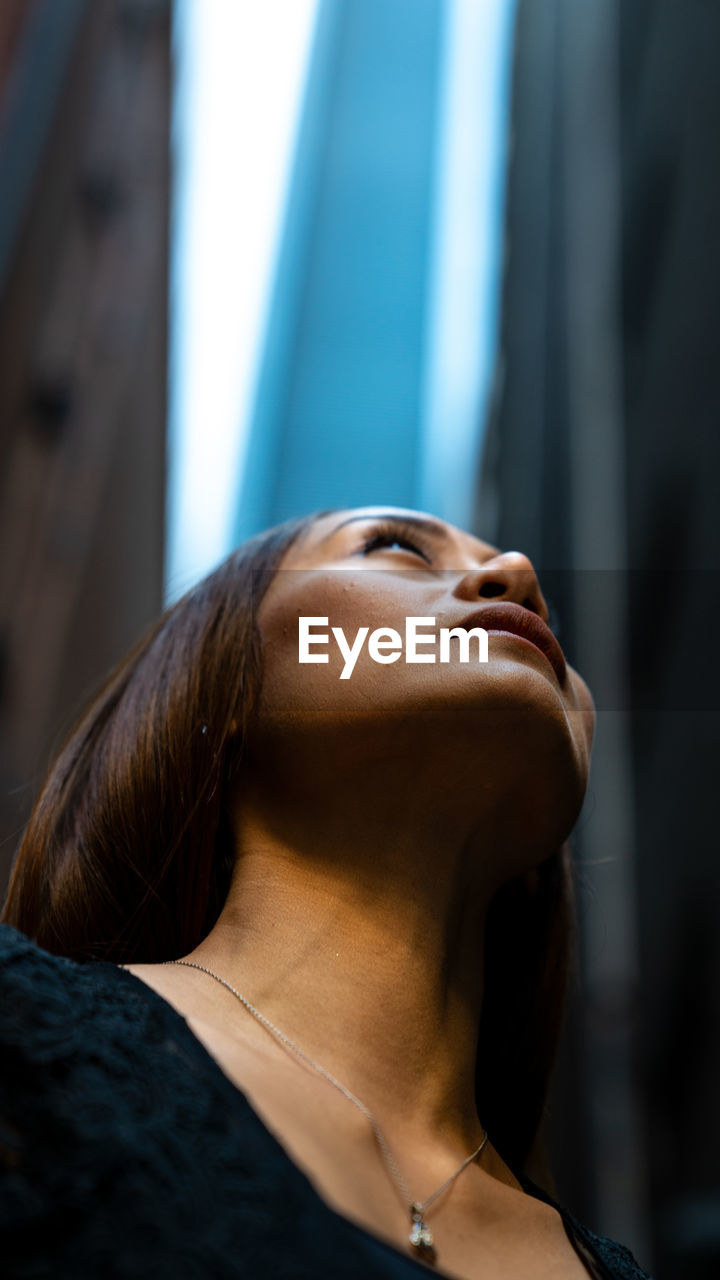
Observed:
{"x":420,"y":1237}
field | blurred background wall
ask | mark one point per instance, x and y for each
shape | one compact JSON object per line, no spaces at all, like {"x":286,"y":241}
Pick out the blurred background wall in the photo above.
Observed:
{"x":486,"y":287}
{"x":602,"y":461}
{"x":84,"y":186}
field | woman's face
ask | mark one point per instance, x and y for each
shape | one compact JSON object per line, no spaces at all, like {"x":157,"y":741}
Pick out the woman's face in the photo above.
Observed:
{"x":513,"y":732}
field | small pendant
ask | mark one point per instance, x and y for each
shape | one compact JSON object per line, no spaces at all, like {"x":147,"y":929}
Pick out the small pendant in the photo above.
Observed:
{"x":421,"y":1237}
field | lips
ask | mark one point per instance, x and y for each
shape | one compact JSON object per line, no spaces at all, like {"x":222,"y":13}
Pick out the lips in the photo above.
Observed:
{"x":518,"y":621}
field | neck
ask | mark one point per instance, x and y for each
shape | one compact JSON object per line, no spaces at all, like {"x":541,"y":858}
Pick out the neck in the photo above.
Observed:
{"x":375,"y":970}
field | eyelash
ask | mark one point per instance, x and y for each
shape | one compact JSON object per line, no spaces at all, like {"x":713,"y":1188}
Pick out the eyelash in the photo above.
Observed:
{"x":385,"y":535}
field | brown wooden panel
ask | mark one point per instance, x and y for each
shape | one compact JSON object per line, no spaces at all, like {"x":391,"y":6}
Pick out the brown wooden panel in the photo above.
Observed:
{"x":82,"y":366}
{"x":12,"y":16}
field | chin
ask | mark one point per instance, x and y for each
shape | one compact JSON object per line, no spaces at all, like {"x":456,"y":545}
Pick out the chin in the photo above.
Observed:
{"x":535,"y":747}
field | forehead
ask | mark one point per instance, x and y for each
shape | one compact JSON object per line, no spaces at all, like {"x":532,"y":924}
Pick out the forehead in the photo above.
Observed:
{"x":328,"y":534}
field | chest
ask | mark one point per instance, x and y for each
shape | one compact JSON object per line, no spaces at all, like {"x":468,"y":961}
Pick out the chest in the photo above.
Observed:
{"x":482,"y":1227}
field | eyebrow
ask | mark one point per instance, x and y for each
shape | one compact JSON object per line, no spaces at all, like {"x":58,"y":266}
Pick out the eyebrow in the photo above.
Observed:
{"x":429,"y":527}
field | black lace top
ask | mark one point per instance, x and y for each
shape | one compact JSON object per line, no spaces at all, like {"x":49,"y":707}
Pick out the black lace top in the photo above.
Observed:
{"x":125,"y":1152}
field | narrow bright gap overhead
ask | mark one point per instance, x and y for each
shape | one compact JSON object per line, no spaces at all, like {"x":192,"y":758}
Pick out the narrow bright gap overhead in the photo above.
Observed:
{"x":239,"y":74}
{"x":466,"y":252}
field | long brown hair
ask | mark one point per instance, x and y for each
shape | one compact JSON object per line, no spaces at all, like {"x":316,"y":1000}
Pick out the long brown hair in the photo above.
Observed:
{"x":127,"y":855}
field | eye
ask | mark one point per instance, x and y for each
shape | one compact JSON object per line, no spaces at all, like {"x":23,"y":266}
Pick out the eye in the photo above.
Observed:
{"x":391,"y":536}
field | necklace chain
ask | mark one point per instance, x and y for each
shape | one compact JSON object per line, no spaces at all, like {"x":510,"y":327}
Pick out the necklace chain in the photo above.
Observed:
{"x":420,"y":1236}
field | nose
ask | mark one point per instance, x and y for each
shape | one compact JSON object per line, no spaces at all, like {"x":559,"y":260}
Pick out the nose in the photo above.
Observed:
{"x":508,"y":576}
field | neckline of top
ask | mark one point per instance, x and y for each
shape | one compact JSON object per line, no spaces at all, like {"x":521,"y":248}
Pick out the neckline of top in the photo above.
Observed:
{"x":240,"y":1099}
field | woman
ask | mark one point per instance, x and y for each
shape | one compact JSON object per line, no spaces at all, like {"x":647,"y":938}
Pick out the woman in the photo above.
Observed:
{"x":363,"y":884}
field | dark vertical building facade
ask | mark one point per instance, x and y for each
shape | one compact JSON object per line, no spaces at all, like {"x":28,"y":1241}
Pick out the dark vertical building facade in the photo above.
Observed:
{"x":602,"y":461}
{"x":84,"y":176}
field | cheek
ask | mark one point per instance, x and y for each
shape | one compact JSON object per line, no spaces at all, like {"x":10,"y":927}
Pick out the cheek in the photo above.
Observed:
{"x":307,"y":693}
{"x":350,"y":601}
